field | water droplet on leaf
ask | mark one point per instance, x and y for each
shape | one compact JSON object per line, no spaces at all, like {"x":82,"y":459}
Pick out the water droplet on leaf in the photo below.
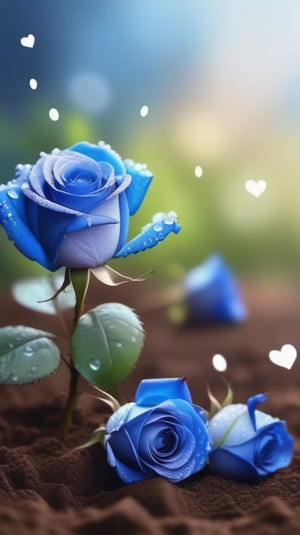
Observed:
{"x":28,"y":351}
{"x":95,"y":364}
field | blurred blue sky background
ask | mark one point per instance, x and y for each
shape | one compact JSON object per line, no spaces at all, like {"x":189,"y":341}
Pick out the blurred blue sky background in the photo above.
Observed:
{"x":221,"y":79}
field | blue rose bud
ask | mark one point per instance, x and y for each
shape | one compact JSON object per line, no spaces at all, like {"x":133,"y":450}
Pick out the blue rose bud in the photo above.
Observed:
{"x":212,"y":292}
{"x":162,"y":433}
{"x":72,"y":207}
{"x":248,"y":443}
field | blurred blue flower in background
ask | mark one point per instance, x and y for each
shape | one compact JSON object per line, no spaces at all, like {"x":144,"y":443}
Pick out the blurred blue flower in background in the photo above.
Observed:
{"x":212,"y":292}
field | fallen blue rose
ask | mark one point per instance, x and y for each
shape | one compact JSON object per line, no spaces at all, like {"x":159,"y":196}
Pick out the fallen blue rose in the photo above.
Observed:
{"x":212,"y":293}
{"x":72,"y":207}
{"x":248,"y":443}
{"x":162,"y":433}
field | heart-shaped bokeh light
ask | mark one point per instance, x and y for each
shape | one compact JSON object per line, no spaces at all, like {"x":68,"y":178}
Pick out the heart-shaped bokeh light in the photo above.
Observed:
{"x":255,"y":187}
{"x":284,"y":357}
{"x":28,"y":41}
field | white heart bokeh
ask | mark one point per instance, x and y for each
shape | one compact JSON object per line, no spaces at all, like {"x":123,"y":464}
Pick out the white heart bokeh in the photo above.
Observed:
{"x":284,"y":357}
{"x":28,"y":41}
{"x":255,"y":187}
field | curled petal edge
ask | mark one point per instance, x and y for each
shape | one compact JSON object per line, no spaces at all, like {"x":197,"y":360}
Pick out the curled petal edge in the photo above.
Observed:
{"x":150,"y":236}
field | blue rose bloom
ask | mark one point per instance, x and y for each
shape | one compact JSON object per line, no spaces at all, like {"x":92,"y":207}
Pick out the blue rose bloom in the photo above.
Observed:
{"x":247,"y":443}
{"x":212,"y":293}
{"x":162,"y":433}
{"x":72,"y":207}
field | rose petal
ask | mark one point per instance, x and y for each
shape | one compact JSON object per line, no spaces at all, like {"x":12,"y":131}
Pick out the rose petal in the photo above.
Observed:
{"x":154,"y":391}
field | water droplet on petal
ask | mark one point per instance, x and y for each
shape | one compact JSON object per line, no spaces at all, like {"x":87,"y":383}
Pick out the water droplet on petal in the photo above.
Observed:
{"x":158,"y":217}
{"x":89,"y":221}
{"x":13,"y":194}
{"x":157,"y":228}
{"x":169,"y":220}
{"x":95,"y":364}
{"x":173,"y":214}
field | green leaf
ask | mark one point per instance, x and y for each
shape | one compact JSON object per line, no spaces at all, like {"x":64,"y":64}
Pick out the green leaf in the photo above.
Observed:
{"x":26,"y":355}
{"x":33,"y":293}
{"x":106,"y":344}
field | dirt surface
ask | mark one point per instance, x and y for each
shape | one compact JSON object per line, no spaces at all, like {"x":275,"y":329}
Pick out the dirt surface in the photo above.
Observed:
{"x":47,"y":487}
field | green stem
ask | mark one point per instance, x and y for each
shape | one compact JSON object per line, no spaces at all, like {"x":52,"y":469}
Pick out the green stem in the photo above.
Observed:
{"x":71,"y":403}
{"x":80,"y":280}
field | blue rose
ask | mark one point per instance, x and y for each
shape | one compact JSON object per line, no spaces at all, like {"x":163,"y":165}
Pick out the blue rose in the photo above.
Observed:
{"x":161,"y":433}
{"x":248,"y":443}
{"x":72,"y":207}
{"x":212,"y":293}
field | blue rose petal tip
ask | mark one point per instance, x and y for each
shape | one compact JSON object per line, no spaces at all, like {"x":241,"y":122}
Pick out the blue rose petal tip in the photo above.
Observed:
{"x":212,"y":293}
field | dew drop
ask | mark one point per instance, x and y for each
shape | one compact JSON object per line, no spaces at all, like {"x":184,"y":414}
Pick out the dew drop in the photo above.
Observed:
{"x":54,"y":114}
{"x":95,"y":364}
{"x":13,"y":194}
{"x":15,"y":378}
{"x":119,"y":344}
{"x":133,"y":339}
{"x":11,"y":345}
{"x":28,"y":351}
{"x":34,"y":369}
{"x":169,"y":220}
{"x":89,"y":221}
{"x":159,"y":216}
{"x":173,"y":214}
{"x":158,"y":228}
{"x":128,"y":162}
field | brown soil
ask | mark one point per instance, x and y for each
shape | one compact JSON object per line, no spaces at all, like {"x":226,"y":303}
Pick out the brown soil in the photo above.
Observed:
{"x":47,"y":487}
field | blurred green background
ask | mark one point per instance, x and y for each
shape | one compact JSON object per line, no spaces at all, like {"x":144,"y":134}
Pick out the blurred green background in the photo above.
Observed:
{"x":221,"y":79}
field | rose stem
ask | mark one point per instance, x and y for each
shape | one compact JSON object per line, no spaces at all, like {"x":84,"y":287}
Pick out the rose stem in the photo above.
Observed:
{"x":80,"y":279}
{"x":71,"y":403}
